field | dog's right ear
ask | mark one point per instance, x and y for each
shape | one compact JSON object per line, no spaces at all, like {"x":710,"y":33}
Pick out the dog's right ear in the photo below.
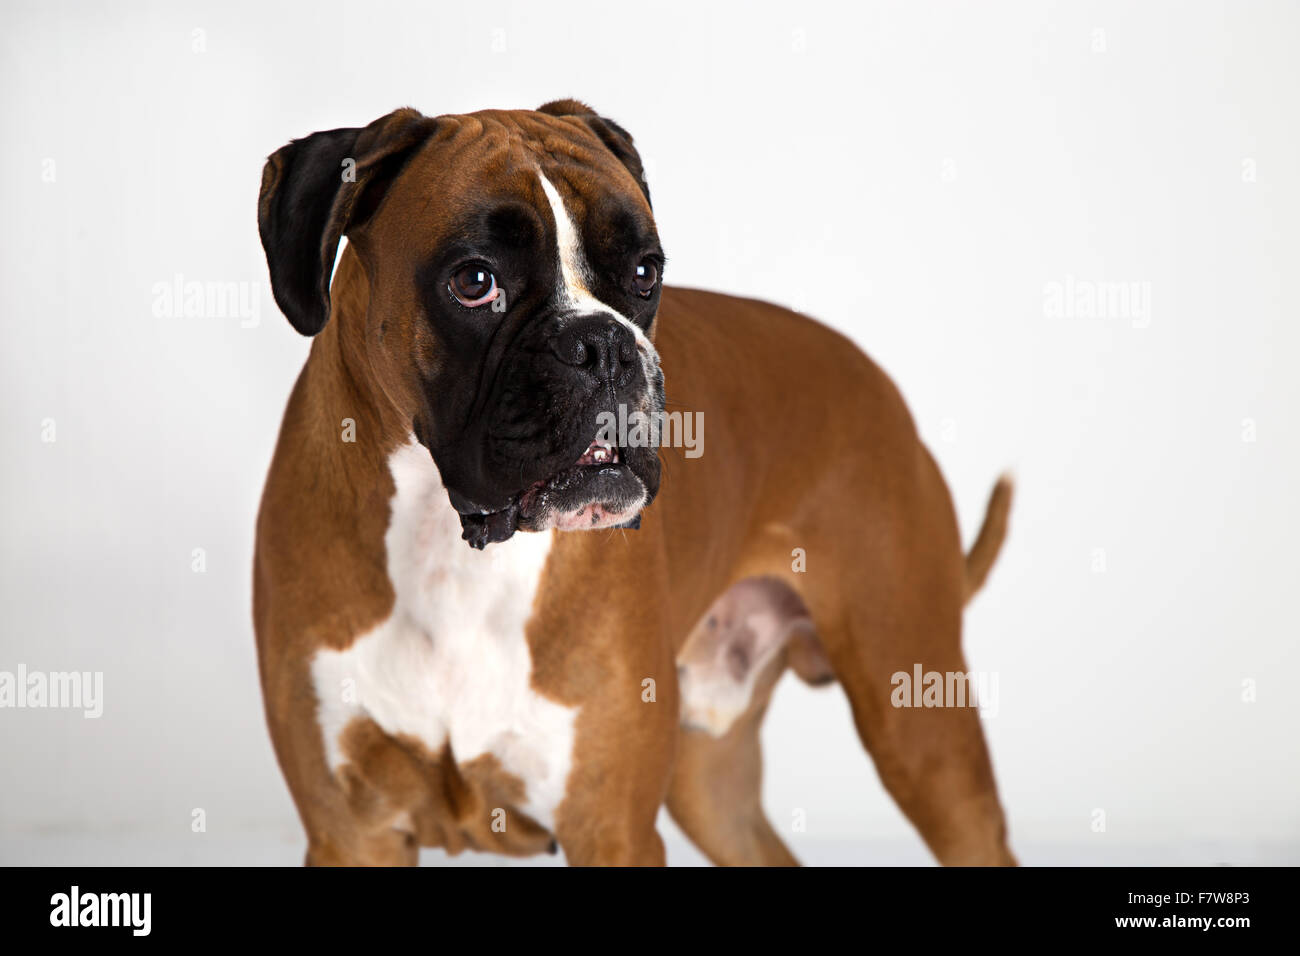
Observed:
{"x":313,"y":191}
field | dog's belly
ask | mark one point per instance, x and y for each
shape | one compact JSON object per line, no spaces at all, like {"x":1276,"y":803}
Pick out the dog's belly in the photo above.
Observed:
{"x":451,"y":667}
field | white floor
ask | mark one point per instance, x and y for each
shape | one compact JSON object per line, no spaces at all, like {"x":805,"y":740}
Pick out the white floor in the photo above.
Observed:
{"x":285,"y":848}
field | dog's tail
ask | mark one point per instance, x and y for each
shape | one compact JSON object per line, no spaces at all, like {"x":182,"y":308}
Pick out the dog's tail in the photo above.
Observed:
{"x":979,"y":561}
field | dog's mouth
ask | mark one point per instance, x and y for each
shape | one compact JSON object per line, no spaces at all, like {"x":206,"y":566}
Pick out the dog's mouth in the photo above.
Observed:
{"x":599,"y":462}
{"x":599,"y":490}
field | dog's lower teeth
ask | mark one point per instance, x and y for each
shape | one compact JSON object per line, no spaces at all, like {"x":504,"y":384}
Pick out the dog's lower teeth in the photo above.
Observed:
{"x":598,"y":453}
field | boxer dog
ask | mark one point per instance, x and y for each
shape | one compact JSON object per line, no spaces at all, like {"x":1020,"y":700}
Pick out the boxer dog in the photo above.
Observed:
{"x":486,"y":621}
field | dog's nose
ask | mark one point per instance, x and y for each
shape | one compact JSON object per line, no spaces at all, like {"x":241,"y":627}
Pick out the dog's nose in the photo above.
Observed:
{"x":600,"y":345}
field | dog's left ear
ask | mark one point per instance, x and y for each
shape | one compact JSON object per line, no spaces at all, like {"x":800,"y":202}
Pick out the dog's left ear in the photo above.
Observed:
{"x":313,"y":191}
{"x":616,"y":139}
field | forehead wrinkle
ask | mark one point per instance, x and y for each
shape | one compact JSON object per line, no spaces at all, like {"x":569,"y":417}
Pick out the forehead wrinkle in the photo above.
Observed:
{"x":530,"y":139}
{"x":510,"y":145}
{"x":479,"y":141}
{"x":471,"y":166}
{"x":547,"y":140}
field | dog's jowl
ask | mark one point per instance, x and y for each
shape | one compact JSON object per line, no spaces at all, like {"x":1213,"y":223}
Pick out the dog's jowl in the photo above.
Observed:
{"x":458,"y":607}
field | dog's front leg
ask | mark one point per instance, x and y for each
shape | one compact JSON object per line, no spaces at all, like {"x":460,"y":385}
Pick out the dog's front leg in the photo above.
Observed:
{"x":613,"y":660}
{"x":622,"y":764}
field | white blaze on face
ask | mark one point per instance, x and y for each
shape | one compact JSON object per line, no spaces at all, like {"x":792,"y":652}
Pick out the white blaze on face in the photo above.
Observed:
{"x":575,"y":292}
{"x":573,"y":296}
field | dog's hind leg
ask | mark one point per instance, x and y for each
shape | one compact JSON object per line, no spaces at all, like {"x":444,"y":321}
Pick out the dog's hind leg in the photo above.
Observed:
{"x":882,"y":622}
{"x":715,"y":797}
{"x":933,"y":761}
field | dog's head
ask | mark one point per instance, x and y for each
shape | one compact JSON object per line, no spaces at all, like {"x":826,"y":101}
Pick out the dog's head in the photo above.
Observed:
{"x":514,"y":274}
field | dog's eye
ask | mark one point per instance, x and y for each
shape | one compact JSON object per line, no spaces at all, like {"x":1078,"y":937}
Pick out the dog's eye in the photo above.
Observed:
{"x":473,"y":285}
{"x":645,"y":277}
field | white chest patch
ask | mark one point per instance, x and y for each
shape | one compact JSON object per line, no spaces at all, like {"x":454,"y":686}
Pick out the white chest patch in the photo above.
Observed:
{"x":451,"y":663}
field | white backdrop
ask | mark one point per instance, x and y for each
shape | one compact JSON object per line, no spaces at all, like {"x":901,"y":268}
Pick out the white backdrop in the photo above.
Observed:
{"x":947,"y":183}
